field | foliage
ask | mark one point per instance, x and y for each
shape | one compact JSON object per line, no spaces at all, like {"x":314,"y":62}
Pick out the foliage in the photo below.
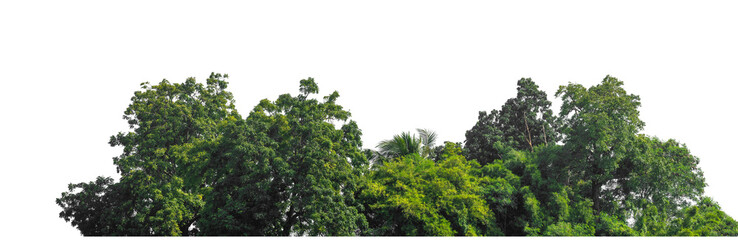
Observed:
{"x":523,"y":123}
{"x":159,"y":192}
{"x":412,"y":195}
{"x":704,"y":219}
{"x":600,"y":124}
{"x":406,"y":144}
{"x":191,"y":165}
{"x":289,"y":170}
{"x":661,"y":173}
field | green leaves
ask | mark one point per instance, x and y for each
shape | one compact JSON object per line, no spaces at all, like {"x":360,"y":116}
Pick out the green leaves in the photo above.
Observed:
{"x":191,"y":165}
{"x":523,"y":122}
{"x":704,"y":219}
{"x":412,"y":195}
{"x":161,"y":186}
{"x":600,"y":124}
{"x":406,"y":144}
{"x":308,"y":86}
{"x":290,"y":170}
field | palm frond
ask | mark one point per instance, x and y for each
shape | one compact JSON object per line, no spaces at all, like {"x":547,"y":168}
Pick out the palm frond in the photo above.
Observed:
{"x":400,"y":145}
{"x":428,"y":137}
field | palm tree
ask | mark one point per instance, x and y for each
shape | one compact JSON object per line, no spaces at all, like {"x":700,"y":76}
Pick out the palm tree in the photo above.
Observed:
{"x":428,"y":139}
{"x":405,"y":143}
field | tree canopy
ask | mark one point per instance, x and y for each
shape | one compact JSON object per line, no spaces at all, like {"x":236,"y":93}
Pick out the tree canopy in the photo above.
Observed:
{"x":295,"y":166}
{"x":523,"y":123}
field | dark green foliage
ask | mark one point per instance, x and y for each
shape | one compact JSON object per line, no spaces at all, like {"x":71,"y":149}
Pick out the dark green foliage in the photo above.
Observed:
{"x":242,"y":200}
{"x":600,"y":125}
{"x":661,"y":173}
{"x":523,"y":122}
{"x":704,"y":219}
{"x":160,"y":191}
{"x":97,"y":209}
{"x":289,"y":170}
{"x":191,"y":165}
{"x":604,"y":174}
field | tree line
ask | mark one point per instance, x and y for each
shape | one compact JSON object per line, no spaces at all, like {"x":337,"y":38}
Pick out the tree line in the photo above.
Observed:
{"x":193,"y":165}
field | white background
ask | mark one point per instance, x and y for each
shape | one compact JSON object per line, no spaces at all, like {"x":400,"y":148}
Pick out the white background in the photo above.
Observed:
{"x":69,"y":68}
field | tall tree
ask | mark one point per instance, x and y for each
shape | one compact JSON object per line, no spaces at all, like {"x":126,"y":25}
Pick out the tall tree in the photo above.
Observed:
{"x":294,"y":171}
{"x":600,"y":125}
{"x":523,"y":123}
{"x":157,"y":194}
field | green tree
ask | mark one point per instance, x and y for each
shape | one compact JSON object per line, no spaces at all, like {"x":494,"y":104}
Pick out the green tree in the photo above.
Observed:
{"x":191,"y":165}
{"x":291,"y":171}
{"x":650,"y":221}
{"x":241,"y":200}
{"x":524,"y":200}
{"x":660,"y":173}
{"x":412,"y":195}
{"x":704,"y":219}
{"x":523,"y":123}
{"x":600,"y":125}
{"x":157,"y":193}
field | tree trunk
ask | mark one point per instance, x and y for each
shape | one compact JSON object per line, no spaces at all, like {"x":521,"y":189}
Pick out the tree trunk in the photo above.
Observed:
{"x":545,"y":141}
{"x":530,"y":141}
{"x":596,"y":190}
{"x":289,"y":222}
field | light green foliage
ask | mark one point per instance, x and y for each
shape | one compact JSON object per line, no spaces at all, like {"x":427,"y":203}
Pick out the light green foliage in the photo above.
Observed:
{"x":650,"y":221}
{"x":582,"y":218}
{"x":612,"y":226}
{"x":412,"y":195}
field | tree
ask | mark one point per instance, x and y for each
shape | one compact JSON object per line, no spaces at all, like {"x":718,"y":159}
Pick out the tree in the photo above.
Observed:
{"x":526,"y":200}
{"x":704,"y":219}
{"x":242,"y":199}
{"x":483,"y":137}
{"x":600,"y":124}
{"x":291,"y":172}
{"x":659,"y":174}
{"x":191,"y":165}
{"x":157,"y":193}
{"x":94,"y":210}
{"x":523,"y":123}
{"x":412,"y":195}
